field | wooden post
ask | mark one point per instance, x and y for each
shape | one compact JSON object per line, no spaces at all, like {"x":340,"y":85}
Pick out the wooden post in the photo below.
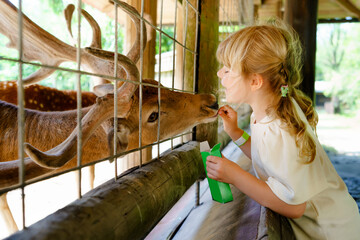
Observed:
{"x":190,"y":43}
{"x":178,"y":82}
{"x":207,"y":65}
{"x":302,"y":16}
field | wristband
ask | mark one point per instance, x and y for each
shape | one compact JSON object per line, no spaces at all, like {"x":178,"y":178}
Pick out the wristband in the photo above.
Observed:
{"x":242,"y":140}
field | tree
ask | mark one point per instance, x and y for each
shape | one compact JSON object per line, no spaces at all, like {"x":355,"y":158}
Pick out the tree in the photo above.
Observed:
{"x":338,"y":51}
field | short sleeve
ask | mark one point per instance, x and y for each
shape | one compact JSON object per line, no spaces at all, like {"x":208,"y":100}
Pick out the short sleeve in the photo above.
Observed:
{"x":288,"y":177}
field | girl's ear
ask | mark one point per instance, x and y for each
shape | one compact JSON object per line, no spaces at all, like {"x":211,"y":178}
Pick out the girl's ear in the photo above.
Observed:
{"x":256,"y":82}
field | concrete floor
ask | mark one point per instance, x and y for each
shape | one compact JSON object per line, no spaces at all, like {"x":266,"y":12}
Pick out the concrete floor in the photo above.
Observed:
{"x":340,"y":137}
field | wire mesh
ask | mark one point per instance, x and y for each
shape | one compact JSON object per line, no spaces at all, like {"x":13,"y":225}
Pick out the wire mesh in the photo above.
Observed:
{"x":180,"y":48}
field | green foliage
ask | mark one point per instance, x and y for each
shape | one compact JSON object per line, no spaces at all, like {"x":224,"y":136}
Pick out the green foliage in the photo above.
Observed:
{"x":166,"y":42}
{"x":56,"y":6}
{"x":337,"y":62}
{"x":52,"y":20}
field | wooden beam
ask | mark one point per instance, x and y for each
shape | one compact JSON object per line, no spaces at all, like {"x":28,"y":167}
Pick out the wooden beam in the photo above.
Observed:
{"x":302,"y":16}
{"x":189,"y":76}
{"x":207,"y":66}
{"x":127,"y":208}
{"x":349,"y":6}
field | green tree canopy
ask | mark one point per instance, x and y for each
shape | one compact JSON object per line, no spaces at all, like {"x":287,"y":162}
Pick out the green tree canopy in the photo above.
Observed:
{"x":338,"y":62}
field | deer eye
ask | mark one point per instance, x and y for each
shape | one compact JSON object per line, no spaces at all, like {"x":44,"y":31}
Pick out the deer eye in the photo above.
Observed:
{"x":153,"y":117}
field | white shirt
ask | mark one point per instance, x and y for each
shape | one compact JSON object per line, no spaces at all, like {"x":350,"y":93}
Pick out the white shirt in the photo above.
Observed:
{"x":331,"y":213}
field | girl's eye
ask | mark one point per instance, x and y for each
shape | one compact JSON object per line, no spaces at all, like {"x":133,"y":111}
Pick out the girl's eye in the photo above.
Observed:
{"x":226,"y":71}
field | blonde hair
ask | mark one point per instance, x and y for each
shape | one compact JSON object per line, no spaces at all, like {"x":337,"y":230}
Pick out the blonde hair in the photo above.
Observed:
{"x":274,"y":51}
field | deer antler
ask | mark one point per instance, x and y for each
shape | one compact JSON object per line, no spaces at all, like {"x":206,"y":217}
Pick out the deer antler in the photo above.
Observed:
{"x":68,"y":13}
{"x":41,"y":46}
{"x":99,"y":112}
{"x":33,"y":41}
{"x":96,"y":38}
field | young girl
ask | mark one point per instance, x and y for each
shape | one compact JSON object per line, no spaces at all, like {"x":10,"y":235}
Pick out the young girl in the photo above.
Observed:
{"x":294,"y":176}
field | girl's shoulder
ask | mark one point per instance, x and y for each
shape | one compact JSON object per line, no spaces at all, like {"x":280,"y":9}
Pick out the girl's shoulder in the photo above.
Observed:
{"x":270,"y":128}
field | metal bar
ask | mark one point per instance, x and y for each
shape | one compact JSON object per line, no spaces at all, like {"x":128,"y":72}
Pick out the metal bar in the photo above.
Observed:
{"x":152,"y":25}
{"x":228,"y":21}
{"x":196,"y":45}
{"x":78,"y":95}
{"x":93,"y":74}
{"x":141,"y":74}
{"x":184,"y":52}
{"x":115,"y":88}
{"x":231,"y":15}
{"x":174,"y":47}
{"x":32,"y":181}
{"x":21,"y":115}
{"x":197,"y":193}
{"x":196,"y":48}
{"x":159,"y":83}
{"x":196,"y":60}
{"x":193,"y":7}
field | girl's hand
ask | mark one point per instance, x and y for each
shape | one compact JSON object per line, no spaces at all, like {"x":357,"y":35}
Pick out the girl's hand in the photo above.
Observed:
{"x":229,"y":117}
{"x":221,"y":169}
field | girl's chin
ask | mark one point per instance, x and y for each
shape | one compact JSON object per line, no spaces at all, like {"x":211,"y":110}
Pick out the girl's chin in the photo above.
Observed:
{"x":230,"y":100}
{"x":233,"y":100}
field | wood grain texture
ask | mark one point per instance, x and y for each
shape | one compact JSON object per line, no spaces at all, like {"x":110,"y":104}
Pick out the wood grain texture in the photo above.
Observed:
{"x":127,"y":208}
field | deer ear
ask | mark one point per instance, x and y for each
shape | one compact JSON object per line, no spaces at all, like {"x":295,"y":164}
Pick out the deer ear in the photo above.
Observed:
{"x":122,"y":139}
{"x":103,"y":89}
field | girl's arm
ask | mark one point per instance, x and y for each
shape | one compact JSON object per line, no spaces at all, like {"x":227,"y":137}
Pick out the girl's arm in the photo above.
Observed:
{"x":224,"y":170}
{"x":246,"y":147}
{"x":229,"y":117}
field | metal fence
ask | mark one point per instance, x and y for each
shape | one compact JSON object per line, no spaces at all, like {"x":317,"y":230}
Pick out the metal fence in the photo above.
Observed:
{"x":176,"y":62}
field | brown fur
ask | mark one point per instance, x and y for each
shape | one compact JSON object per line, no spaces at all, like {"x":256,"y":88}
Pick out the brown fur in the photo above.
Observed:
{"x":45,"y":130}
{"x":44,"y":98}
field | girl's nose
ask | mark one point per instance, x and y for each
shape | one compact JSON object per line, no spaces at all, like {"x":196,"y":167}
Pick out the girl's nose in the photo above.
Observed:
{"x":219,"y":73}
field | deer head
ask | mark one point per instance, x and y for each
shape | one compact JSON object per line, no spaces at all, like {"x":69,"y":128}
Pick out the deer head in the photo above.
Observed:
{"x":45,"y":130}
{"x":175,"y":104}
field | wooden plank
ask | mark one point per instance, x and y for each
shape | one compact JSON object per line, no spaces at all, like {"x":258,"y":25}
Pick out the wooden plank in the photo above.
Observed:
{"x":331,"y":9}
{"x":270,"y":9}
{"x":349,"y":6}
{"x":180,"y":29}
{"x":190,"y":57}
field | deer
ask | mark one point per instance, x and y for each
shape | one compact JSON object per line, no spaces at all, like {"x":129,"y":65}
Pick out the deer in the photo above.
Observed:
{"x":49,"y":99}
{"x":46,"y":99}
{"x":57,"y":131}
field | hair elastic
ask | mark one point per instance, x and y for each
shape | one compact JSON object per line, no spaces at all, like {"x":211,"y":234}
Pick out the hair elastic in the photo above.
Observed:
{"x":284,"y":90}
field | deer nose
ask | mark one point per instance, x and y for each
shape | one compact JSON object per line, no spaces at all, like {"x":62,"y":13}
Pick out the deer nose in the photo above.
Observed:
{"x":214,"y":106}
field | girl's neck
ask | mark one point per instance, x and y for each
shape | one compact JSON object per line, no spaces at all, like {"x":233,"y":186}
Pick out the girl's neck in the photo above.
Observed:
{"x":260,"y":105}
